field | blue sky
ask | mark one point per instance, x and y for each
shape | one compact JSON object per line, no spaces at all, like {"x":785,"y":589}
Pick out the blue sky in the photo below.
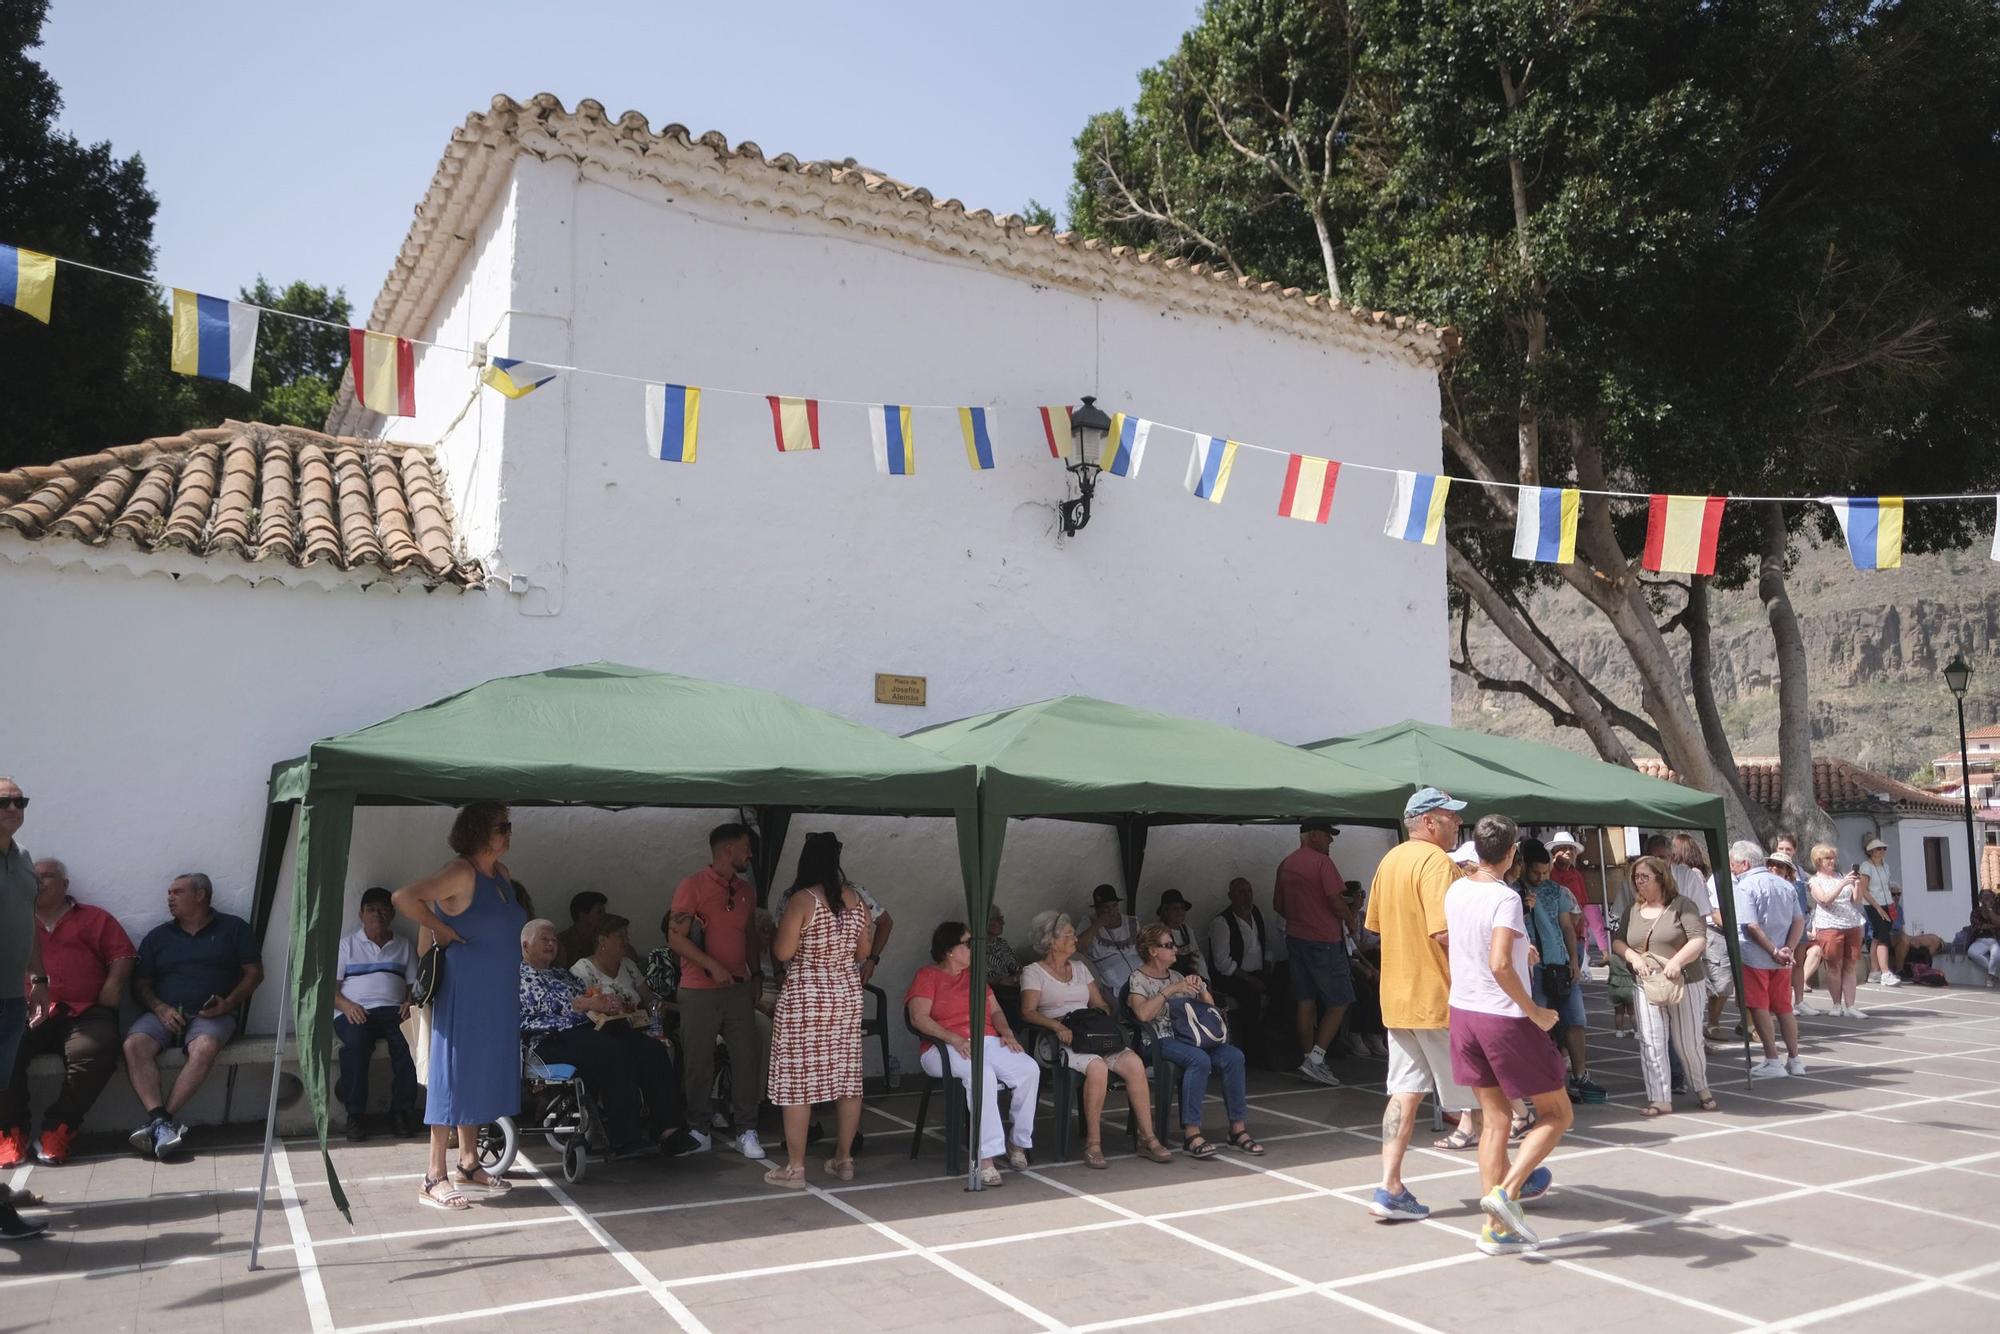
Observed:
{"x":294,"y":140}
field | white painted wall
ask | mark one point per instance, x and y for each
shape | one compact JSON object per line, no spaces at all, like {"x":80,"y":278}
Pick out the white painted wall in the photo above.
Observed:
{"x":161,"y":703}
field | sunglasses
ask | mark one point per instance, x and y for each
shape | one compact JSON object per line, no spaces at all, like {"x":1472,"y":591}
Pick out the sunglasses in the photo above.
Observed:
{"x":18,"y":803}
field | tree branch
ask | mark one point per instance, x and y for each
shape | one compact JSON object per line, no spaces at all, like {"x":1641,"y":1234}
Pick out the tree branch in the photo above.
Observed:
{"x":1163,"y":216}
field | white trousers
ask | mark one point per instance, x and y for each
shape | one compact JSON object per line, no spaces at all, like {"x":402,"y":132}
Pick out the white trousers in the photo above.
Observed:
{"x":1679,"y":1024}
{"x":1986,"y":953}
{"x":1018,"y":1071}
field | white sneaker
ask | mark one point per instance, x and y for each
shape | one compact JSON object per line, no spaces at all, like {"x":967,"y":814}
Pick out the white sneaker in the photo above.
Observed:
{"x":1891,"y":980}
{"x":720,"y":1120}
{"x":1317,"y":1071}
{"x":1352,"y":1044}
{"x":1795,"y":1066}
{"x":1376,"y":1046}
{"x":748,"y":1145}
{"x":701,"y":1141}
{"x":1771,"y":1069}
{"x":1856,"y":1012}
{"x":1814,"y":1011}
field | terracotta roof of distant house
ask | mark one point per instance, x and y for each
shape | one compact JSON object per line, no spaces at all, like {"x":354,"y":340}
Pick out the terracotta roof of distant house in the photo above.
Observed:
{"x":473,"y":172}
{"x":1838,"y":786}
{"x":249,"y":491}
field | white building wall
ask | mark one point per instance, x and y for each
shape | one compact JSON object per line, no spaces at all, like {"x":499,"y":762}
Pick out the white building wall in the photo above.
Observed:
{"x":164,"y":702}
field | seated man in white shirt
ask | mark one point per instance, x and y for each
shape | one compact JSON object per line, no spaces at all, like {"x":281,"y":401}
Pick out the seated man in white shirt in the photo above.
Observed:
{"x":1240,"y":957}
{"x":376,"y":969}
{"x":1108,"y":941}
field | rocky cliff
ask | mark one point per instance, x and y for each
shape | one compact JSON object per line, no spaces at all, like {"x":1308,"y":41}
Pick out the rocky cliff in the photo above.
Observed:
{"x":1875,"y":640}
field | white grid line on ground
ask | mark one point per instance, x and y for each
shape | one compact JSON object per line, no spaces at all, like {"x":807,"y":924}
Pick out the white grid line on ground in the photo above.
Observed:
{"x":310,"y":1285}
{"x":1187,"y":1312}
{"x":1875,"y":1299}
{"x":488,"y":1312}
{"x":956,"y":1270}
{"x":669,"y":1303}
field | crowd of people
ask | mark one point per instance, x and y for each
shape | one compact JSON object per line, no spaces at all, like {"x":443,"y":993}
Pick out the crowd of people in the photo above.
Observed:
{"x":1464,"y":964}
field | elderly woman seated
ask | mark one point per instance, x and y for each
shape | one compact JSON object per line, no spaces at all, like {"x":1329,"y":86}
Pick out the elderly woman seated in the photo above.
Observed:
{"x":1055,"y":987}
{"x":632,"y":1075}
{"x":939,"y":1006}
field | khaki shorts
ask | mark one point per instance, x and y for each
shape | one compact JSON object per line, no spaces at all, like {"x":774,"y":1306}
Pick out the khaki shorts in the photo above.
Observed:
{"x":1420,"y":1062}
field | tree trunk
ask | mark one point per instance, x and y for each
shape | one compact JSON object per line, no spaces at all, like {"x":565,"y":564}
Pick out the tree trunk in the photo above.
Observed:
{"x":1798,"y":810}
{"x":1701,"y":683}
{"x":1326,"y":253}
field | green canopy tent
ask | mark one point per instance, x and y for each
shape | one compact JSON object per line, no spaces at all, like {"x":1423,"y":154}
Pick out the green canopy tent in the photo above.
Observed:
{"x":601,"y":735}
{"x":1537,"y":784}
{"x":1075,"y":758}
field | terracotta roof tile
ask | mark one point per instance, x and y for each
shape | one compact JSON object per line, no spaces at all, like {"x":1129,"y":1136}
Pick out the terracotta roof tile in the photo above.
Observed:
{"x":247,"y":491}
{"x":1838,"y":786}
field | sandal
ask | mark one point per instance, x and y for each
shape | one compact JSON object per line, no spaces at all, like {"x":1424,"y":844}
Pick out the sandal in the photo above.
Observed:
{"x":472,"y":1177}
{"x":1457,"y":1141}
{"x":1518,"y":1127}
{"x":1154,"y":1151}
{"x":792,"y":1178}
{"x":1093,"y":1156}
{"x":447,"y":1198}
{"x":1198,"y":1145}
{"x":1241,"y":1141}
{"x":840,"y":1169}
{"x":1654,"y":1109}
{"x":1706,"y":1100}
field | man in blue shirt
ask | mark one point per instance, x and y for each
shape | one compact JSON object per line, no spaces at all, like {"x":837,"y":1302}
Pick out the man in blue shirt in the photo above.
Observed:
{"x":195,"y":975}
{"x":1768,"y":928}
{"x":1553,"y":920}
{"x":372,"y":999}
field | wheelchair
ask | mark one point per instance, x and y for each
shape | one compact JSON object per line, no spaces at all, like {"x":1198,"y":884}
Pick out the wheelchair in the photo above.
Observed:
{"x":554,"y":1103}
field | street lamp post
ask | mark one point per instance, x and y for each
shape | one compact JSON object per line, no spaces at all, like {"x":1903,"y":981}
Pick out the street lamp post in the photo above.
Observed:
{"x":1957,"y":676}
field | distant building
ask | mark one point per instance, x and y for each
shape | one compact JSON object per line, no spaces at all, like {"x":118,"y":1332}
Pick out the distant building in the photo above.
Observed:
{"x":1982,"y":755}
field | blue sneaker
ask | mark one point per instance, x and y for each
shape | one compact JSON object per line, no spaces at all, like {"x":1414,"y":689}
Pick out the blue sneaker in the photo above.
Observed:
{"x":1505,"y":1211}
{"x":1398,"y":1208}
{"x":1537,"y":1185}
{"x":1499,"y":1242}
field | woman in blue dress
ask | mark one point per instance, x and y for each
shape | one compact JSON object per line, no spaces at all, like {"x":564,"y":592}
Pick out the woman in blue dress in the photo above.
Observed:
{"x":470,"y":909}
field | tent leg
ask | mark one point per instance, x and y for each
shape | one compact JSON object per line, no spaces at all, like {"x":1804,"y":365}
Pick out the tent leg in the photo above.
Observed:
{"x":271,"y":1113}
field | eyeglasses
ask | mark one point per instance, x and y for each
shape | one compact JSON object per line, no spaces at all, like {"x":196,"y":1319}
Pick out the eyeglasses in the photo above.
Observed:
{"x":18,"y":803}
{"x":967,"y":940}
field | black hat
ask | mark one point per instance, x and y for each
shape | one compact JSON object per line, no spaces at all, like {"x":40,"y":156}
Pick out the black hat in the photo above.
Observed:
{"x":1105,"y":894}
{"x":1318,"y":826}
{"x":376,"y":894}
{"x":1170,"y":899}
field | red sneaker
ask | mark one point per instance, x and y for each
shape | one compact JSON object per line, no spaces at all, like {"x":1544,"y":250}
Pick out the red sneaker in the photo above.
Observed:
{"x":13,"y":1148}
{"x":52,"y":1150}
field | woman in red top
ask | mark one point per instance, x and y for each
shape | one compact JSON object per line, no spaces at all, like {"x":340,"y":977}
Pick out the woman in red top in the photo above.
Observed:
{"x":940,"y":1008}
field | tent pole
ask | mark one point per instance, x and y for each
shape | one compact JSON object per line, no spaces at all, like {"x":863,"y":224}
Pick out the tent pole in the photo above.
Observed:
{"x":271,"y":1112}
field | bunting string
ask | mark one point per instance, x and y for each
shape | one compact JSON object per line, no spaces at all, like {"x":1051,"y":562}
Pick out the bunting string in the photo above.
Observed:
{"x":215,"y":338}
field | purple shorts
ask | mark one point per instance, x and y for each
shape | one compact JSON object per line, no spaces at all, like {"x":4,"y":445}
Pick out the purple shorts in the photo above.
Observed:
{"x":1503,"y":1051}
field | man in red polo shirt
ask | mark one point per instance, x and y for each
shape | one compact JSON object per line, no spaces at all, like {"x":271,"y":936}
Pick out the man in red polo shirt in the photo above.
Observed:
{"x":88,"y":958}
{"x":718,"y":993}
{"x":1311,"y":897}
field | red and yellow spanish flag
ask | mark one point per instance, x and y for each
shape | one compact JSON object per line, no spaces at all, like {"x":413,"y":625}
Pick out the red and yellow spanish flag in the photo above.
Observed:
{"x":1681,"y":533}
{"x":1308,"y":490}
{"x":795,"y":422}
{"x":1055,"y":428}
{"x":385,"y":372}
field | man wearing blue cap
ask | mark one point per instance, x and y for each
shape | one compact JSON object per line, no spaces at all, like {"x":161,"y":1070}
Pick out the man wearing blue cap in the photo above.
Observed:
{"x":1406,"y":909}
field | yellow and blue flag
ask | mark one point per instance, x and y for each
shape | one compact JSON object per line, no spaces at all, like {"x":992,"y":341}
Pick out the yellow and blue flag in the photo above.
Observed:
{"x":1873,"y":526}
{"x":895,"y":447}
{"x":515,"y":378}
{"x":1417,"y":512}
{"x":1209,"y":466}
{"x":214,"y":338}
{"x":1125,"y":445}
{"x":673,"y":414}
{"x":1545,"y":524}
{"x":27,"y":281}
{"x":978,"y":443}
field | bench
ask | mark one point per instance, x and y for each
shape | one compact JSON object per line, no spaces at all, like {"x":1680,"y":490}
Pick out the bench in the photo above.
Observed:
{"x":251,"y":1051}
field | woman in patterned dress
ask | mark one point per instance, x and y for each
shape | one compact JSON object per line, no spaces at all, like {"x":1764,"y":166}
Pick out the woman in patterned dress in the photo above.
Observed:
{"x":816,"y":1033}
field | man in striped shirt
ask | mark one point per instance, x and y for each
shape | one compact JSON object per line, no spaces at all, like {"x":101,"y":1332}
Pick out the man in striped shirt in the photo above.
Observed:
{"x":376,"y":969}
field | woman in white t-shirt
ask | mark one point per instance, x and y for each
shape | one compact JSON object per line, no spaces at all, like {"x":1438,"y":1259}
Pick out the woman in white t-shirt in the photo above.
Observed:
{"x":609,"y":967}
{"x":1836,"y":926}
{"x":1056,"y":985}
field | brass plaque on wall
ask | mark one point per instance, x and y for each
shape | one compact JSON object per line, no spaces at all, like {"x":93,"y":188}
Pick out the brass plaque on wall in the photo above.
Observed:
{"x":891,"y":689}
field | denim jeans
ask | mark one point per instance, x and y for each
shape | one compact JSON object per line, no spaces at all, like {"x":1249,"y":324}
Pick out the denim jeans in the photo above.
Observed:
{"x":1195,"y":1065}
{"x":357,"y":1046}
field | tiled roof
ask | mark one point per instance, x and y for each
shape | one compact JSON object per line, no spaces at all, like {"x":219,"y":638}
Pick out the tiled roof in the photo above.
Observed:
{"x":249,"y":491}
{"x":474,"y":171}
{"x":1838,"y":786}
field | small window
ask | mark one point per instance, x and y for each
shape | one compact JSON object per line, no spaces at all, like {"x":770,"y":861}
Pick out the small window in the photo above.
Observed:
{"x":1937,"y":864}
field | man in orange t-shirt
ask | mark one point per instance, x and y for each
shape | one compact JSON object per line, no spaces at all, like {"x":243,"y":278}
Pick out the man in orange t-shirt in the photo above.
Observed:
{"x":718,"y":993}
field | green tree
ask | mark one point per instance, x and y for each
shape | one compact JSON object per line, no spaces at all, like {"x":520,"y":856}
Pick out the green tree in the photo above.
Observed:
{"x":66,"y":390}
{"x":1690,"y":246}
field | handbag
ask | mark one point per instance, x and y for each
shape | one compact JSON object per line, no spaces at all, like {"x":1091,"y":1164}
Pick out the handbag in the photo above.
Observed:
{"x":1197,"y":1023}
{"x":1093,"y":1033}
{"x":430,"y":976}
{"x":1556,"y":977}
{"x":1659,"y":988}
